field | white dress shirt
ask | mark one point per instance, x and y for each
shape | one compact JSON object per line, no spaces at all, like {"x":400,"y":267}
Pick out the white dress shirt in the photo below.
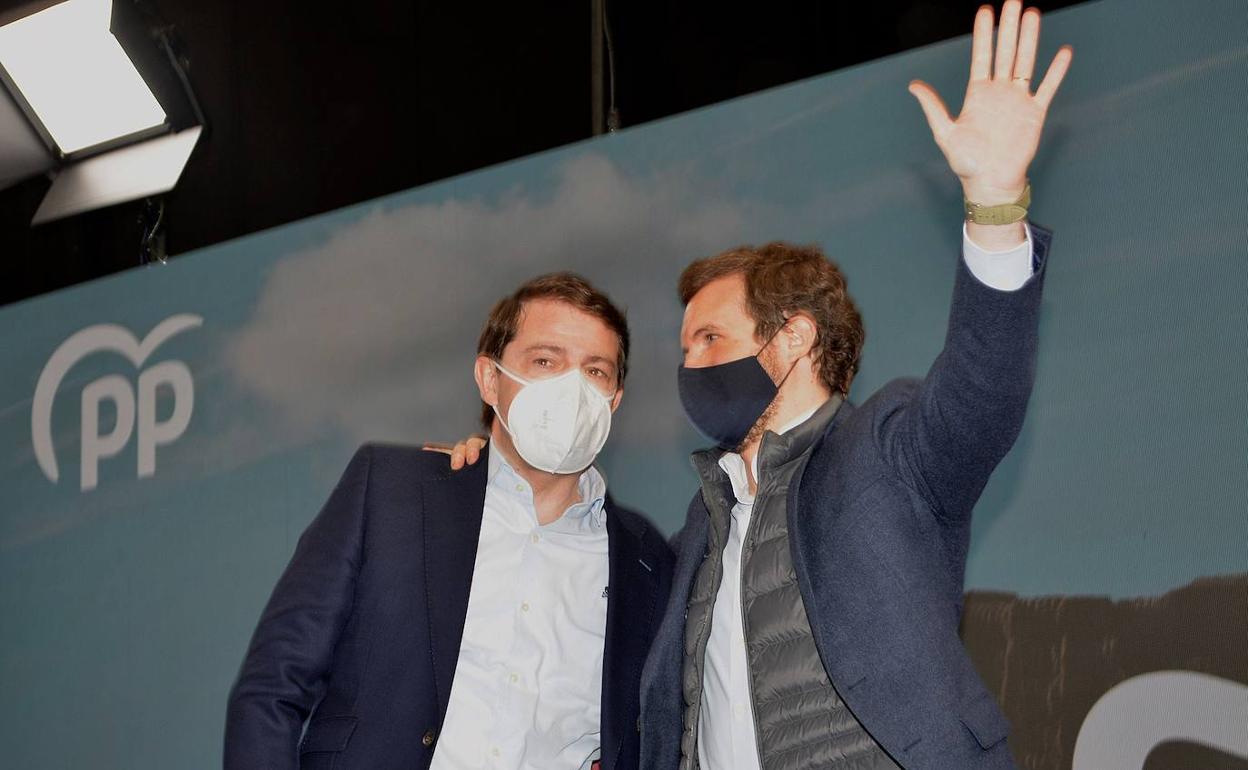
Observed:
{"x":726,"y":734}
{"x":528,"y":682}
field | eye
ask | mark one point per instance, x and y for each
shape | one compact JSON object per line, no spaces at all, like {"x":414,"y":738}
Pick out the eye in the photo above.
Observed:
{"x":542,"y":362}
{"x":596,"y":372}
{"x":709,"y":337}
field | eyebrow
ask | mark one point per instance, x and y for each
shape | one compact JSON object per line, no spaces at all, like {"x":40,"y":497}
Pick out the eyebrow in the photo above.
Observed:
{"x":546,"y":347}
{"x":706,"y":328}
{"x":601,"y":360}
{"x":559,"y":351}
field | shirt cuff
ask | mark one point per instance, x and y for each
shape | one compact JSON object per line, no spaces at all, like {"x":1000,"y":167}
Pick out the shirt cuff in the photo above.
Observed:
{"x":1001,"y":270}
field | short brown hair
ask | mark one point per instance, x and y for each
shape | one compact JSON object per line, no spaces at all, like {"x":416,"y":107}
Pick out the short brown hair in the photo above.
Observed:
{"x":504,"y":320}
{"x":782,"y":279}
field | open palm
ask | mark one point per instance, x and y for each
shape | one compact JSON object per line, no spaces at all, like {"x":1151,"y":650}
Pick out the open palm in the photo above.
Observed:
{"x":991,"y":143}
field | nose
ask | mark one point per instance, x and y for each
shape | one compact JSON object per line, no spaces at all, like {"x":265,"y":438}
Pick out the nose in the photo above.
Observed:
{"x":695,"y":360}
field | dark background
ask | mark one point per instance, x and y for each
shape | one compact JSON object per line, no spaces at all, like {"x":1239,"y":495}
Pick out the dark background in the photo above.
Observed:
{"x":314,"y":106}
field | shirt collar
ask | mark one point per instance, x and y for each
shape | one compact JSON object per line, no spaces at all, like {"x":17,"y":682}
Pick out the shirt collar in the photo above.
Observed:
{"x":592,"y":485}
{"x":798,"y":420}
{"x":733,"y":463}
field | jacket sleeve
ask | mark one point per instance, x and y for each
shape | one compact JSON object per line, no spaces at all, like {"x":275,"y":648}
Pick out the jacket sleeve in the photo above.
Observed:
{"x":284,"y":673}
{"x":946,"y":436}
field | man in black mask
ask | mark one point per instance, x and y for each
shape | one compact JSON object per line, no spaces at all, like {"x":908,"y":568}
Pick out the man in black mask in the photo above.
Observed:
{"x":813,"y":621}
{"x":818,"y":588}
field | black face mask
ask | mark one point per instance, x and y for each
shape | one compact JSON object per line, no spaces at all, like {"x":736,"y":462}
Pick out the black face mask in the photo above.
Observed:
{"x":724,"y":401}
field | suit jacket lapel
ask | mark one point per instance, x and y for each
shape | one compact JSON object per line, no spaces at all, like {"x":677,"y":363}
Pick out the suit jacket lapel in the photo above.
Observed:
{"x":630,"y":603}
{"x":453,"y":509}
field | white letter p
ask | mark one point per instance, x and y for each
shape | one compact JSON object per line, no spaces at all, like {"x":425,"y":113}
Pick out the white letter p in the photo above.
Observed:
{"x":152,"y":433}
{"x":94,"y":446}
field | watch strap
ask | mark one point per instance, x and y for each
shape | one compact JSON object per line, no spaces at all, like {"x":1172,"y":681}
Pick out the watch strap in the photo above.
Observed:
{"x":1002,"y":214}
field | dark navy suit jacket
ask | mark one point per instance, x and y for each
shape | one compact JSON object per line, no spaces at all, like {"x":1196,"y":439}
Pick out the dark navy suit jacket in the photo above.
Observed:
{"x":879,"y":524}
{"x":362,"y":632}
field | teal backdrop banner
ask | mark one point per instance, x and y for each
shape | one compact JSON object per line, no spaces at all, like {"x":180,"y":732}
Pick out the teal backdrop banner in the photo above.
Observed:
{"x":169,"y":432}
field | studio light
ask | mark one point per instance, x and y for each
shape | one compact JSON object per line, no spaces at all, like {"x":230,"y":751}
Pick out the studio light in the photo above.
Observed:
{"x":101,"y":86}
{"x":78,"y":82}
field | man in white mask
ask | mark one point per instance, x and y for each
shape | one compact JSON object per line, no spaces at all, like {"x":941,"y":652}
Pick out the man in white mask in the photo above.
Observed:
{"x":498,"y":617}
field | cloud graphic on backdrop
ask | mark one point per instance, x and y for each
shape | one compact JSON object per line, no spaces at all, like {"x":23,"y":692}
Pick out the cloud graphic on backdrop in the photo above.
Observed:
{"x":373,"y":332}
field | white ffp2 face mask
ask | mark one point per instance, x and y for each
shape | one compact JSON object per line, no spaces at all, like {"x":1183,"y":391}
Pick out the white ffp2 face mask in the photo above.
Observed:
{"x":558,"y":425}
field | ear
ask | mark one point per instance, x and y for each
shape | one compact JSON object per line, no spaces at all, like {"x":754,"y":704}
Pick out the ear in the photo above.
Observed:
{"x":615,"y":400}
{"x":799,"y":335}
{"x":486,"y":375}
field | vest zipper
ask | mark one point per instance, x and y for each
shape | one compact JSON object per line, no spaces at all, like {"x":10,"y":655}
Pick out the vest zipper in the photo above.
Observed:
{"x":749,"y":674}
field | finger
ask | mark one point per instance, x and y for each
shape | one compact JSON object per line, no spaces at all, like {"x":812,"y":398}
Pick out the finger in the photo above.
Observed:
{"x":1053,"y":78}
{"x":1007,"y":40}
{"x":432,"y":447}
{"x":933,"y":108}
{"x":981,"y":44}
{"x":1028,"y":37}
{"x":473,"y":453}
{"x":457,"y":458}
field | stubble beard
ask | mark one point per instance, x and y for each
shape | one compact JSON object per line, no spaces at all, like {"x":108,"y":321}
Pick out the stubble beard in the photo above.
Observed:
{"x":770,"y":365}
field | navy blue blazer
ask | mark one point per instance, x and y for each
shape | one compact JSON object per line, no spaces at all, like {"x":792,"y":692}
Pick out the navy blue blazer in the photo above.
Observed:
{"x":362,"y":632}
{"x":879,"y":524}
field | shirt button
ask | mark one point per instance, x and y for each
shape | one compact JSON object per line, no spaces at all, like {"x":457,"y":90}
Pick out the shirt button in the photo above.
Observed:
{"x":519,"y":487}
{"x":524,"y":606}
{"x":535,"y":537}
{"x":495,"y":751}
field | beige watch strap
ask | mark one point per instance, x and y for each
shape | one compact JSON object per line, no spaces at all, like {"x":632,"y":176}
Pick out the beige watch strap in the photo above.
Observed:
{"x":1003,"y":214}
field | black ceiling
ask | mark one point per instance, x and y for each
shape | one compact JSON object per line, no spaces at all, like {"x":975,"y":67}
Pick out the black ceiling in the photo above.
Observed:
{"x":315,"y":106}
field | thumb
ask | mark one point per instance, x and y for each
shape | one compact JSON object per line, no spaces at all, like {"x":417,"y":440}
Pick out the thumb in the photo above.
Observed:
{"x":933,"y":108}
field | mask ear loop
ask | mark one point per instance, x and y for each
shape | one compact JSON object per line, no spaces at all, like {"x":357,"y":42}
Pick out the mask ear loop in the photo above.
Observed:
{"x":771,"y":339}
{"x":498,"y":365}
{"x":506,"y":427}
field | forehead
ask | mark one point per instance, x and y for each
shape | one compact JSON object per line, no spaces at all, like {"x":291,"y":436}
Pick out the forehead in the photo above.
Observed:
{"x":558,"y":323}
{"x":719,"y":303}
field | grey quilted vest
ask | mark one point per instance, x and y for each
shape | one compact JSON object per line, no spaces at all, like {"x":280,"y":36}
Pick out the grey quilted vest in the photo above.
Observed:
{"x":799,"y":720}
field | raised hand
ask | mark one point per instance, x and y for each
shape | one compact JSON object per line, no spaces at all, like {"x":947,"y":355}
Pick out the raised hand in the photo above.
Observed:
{"x":993,"y":140}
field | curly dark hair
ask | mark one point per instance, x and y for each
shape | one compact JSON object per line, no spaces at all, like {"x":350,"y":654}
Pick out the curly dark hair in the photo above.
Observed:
{"x":782,"y":279}
{"x":504,"y":319}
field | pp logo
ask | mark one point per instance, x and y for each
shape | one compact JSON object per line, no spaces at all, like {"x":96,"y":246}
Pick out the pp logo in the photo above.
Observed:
{"x":118,"y":339}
